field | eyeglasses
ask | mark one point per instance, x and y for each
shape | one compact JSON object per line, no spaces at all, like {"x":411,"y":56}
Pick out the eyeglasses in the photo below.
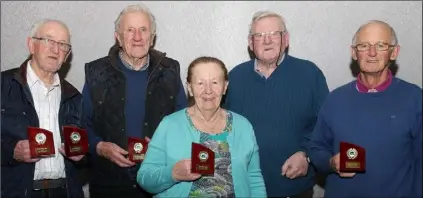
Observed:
{"x":52,"y":43}
{"x":381,"y":46}
{"x":273,"y":35}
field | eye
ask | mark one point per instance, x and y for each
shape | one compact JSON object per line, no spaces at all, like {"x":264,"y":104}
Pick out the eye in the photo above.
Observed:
{"x":215,"y":82}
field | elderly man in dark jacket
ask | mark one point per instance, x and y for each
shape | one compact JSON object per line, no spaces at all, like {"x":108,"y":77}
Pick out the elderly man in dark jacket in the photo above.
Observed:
{"x":126,"y":94}
{"x":35,"y":96}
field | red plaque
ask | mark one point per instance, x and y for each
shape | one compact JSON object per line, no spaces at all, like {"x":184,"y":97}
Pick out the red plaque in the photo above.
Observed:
{"x":136,"y":149}
{"x":76,"y":141}
{"x":202,"y":160}
{"x":41,"y":142}
{"x":352,"y":158}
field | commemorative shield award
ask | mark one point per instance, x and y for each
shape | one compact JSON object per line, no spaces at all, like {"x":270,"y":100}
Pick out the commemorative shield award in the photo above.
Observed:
{"x":202,"y":159}
{"x":76,"y":141}
{"x":136,"y":149}
{"x":41,"y":142}
{"x":352,"y":158}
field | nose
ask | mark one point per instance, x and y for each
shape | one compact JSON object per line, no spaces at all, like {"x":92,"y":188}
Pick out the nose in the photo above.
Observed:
{"x":267,"y":39}
{"x":55,"y":48}
{"x":208,"y":89}
{"x":137,"y":35}
{"x":372,"y":51}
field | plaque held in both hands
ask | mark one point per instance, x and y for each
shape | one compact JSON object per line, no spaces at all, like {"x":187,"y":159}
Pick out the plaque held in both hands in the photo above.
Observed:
{"x":76,"y":141}
{"x":136,"y":149}
{"x":41,"y":142}
{"x":352,"y":158}
{"x":202,"y":160}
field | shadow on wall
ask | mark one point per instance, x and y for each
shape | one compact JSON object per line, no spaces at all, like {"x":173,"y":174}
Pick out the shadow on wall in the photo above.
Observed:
{"x":355,"y":69}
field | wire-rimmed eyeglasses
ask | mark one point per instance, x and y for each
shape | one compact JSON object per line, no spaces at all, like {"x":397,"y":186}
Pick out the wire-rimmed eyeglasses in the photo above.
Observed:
{"x":273,"y":35}
{"x":52,"y":43}
{"x":380,"y":46}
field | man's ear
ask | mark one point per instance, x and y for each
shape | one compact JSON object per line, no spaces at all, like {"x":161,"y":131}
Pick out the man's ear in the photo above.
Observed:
{"x":30,"y":45}
{"x":153,"y":36}
{"x":251,"y":43}
{"x":395,"y":53}
{"x":353,"y":53}
{"x":117,"y":37}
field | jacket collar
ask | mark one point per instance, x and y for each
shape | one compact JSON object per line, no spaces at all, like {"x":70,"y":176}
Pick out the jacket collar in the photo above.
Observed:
{"x":67,"y":89}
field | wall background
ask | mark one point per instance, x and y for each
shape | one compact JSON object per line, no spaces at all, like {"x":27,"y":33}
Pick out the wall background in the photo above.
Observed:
{"x":319,"y":31}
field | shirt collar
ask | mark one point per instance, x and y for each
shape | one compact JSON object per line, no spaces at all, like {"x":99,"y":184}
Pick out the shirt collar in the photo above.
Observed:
{"x":32,"y":78}
{"x":363,"y":89}
{"x":129,"y":66}
{"x":257,"y":69}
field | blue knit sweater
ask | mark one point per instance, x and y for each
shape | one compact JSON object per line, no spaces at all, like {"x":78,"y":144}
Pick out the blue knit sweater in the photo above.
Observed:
{"x":388,"y":124}
{"x":282,"y":109}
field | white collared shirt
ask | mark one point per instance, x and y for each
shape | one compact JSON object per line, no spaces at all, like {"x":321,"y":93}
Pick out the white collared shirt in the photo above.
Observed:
{"x":47,"y":103}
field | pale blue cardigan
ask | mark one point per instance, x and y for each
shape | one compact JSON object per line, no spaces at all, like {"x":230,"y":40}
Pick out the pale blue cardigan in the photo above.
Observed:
{"x":172,"y":142}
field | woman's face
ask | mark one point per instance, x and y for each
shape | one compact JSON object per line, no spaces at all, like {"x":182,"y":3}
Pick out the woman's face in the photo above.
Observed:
{"x":207,"y":85}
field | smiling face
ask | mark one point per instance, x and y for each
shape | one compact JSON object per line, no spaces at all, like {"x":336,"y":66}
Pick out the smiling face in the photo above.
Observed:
{"x":268,"y":48}
{"x":49,"y":57}
{"x":374,"y":60}
{"x":207,"y":84}
{"x":135,"y":34}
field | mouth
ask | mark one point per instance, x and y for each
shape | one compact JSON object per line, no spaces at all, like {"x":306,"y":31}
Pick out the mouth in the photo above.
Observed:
{"x":268,"y":49}
{"x":208,"y":99}
{"x":372,"y":61}
{"x":53,"y":57}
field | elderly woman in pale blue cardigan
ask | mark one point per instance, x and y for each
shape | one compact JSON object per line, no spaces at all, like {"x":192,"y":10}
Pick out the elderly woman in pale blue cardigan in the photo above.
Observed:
{"x":166,"y":170}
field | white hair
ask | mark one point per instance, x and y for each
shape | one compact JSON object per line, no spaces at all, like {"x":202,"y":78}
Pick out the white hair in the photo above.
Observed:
{"x":263,"y":14}
{"x":38,"y":25}
{"x":394,"y":39}
{"x":137,"y":8}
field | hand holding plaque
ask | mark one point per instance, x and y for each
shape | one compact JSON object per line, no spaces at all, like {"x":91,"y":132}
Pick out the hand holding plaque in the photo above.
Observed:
{"x":41,"y":142}
{"x":136,"y":149}
{"x":352,"y":158}
{"x":76,"y":141}
{"x":202,"y":160}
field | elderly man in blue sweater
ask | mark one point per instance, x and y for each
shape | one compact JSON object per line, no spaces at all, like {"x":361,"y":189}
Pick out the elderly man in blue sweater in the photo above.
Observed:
{"x":379,"y":112}
{"x":281,"y":96}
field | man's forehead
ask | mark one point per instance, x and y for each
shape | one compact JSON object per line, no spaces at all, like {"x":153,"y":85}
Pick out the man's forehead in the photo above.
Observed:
{"x":48,"y":28}
{"x":271,"y":22}
{"x":374,"y":30}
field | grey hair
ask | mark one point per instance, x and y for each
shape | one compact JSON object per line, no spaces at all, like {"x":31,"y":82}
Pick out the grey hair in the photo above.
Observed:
{"x":137,"y":8}
{"x":38,"y":25}
{"x":394,"y":39}
{"x":263,"y":14}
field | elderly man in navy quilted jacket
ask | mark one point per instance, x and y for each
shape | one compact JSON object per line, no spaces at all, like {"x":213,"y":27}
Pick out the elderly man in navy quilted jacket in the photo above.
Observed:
{"x":34,"y":95}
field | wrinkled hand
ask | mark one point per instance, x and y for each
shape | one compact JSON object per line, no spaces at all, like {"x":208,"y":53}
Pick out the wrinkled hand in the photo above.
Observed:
{"x":114,"y":153}
{"x":334,"y":163}
{"x":73,"y":158}
{"x":181,"y":171}
{"x":21,"y":152}
{"x":295,"y":166}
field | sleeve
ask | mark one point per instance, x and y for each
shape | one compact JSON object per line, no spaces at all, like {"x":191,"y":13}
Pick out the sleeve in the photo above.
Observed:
{"x":417,"y":134}
{"x":320,"y":146}
{"x":155,"y":175}
{"x":320,"y":92}
{"x":8,"y":142}
{"x":258,"y":188}
{"x":93,"y":140}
